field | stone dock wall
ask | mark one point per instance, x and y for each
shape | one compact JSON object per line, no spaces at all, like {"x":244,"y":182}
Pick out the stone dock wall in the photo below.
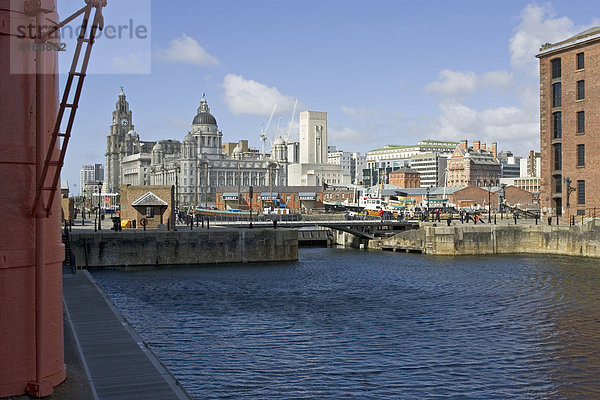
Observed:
{"x":214,"y":246}
{"x":485,"y":239}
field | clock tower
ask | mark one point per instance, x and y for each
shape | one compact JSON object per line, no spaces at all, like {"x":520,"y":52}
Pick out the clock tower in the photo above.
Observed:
{"x":115,"y":151}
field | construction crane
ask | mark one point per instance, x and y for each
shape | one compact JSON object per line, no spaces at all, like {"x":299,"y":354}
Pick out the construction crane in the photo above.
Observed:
{"x":289,"y":130}
{"x":276,"y":132}
{"x":263,"y":132}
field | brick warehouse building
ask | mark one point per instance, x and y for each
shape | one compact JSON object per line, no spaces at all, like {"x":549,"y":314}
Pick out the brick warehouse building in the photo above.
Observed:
{"x":405,"y":177}
{"x":569,"y":124}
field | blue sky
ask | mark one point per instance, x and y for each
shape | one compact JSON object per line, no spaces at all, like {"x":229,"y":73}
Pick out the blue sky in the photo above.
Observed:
{"x":387,"y":72}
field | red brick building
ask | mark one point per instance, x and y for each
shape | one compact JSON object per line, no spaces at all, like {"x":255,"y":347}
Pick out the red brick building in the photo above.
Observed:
{"x":297,"y":198}
{"x":569,"y":124}
{"x":472,"y":196}
{"x":405,"y":177}
{"x":473,"y":166}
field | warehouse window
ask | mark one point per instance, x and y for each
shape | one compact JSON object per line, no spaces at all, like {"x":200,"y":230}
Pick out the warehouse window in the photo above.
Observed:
{"x":557,"y":124}
{"x":557,"y":156}
{"x":556,"y":68}
{"x":580,"y":90}
{"x":580,"y":192}
{"x":580,"y":155}
{"x":556,"y":94}
{"x":581,"y":122}
{"x":580,"y":61}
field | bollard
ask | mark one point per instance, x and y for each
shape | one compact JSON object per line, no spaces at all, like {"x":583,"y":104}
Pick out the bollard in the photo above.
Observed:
{"x":207,"y":223}
{"x":274,"y":224}
{"x":449,"y":221}
{"x":549,"y":221}
{"x":95,"y":227}
{"x":169,"y":224}
{"x":203,"y":222}
{"x":536,"y":219}
{"x":494,"y":219}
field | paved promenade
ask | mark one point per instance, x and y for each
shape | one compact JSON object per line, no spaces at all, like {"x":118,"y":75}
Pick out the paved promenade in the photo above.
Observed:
{"x":115,"y":361}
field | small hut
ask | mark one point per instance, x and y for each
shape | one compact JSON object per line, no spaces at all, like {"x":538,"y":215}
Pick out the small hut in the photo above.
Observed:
{"x":151,"y":207}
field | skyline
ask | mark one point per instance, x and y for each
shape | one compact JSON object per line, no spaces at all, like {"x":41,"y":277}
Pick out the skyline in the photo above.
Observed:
{"x":393,"y":77}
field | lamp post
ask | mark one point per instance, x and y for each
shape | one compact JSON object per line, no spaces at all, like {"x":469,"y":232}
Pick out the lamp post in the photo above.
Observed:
{"x":501,"y":199}
{"x":99,"y":202}
{"x":490,"y":203}
{"x":250,"y":195}
{"x":428,"y":189}
{"x":570,"y":190}
{"x":176,"y":210}
{"x":206,"y":184}
{"x":83,"y":208}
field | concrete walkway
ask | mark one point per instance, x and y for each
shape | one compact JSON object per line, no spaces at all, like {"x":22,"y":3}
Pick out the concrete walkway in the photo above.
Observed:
{"x":115,"y":360}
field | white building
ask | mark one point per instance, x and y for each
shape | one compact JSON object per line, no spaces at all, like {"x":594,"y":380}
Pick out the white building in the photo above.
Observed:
{"x":404,"y":152}
{"x":529,"y":176}
{"x":350,"y":163}
{"x":196,"y":166}
{"x":432,"y":167}
{"x":90,"y":175}
{"x":313,"y":168}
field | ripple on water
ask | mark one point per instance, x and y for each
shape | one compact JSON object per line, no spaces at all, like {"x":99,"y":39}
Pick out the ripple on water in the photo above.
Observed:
{"x":349,"y":324}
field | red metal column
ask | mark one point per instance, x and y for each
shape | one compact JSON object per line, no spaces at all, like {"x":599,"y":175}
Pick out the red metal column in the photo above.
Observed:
{"x":31,"y":253}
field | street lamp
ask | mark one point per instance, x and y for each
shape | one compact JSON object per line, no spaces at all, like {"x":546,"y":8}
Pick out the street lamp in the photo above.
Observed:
{"x":83,"y":208}
{"x":250,"y":195}
{"x":427,"y":190}
{"x":99,"y":200}
{"x":490,"y":203}
{"x":501,"y":199}
{"x":570,"y":190}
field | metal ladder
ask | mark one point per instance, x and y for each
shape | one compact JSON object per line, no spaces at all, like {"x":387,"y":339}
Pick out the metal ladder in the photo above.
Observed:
{"x":55,"y":160}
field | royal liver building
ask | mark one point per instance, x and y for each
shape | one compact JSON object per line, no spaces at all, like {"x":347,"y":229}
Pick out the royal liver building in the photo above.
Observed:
{"x":196,"y":166}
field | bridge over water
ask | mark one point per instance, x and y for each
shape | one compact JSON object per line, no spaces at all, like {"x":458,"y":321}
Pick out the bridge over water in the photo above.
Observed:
{"x":364,"y":229}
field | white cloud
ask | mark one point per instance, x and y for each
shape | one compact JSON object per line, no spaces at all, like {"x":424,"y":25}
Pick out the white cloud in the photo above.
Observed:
{"x":341,"y":136}
{"x":186,"y":50}
{"x":361,"y":112}
{"x":177,"y":122}
{"x":131,"y":64}
{"x":454,"y":83}
{"x":246,"y":96}
{"x":538,"y":26}
{"x":516,"y":124}
{"x":451,"y":83}
{"x":510,"y":126}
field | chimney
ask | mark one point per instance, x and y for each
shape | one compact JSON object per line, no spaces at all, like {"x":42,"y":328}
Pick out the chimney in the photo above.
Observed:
{"x":531,"y":166}
{"x":483,"y":146}
{"x":476,"y":145}
{"x":463,"y":144}
{"x":495,"y":149}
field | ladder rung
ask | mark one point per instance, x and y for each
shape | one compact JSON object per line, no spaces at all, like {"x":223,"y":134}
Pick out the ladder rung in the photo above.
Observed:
{"x":77,"y":73}
{"x":84,"y":40}
{"x":70,"y":105}
{"x":61,"y":134}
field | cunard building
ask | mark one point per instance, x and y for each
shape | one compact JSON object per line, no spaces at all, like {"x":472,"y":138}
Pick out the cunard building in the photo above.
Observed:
{"x":197,"y":166}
